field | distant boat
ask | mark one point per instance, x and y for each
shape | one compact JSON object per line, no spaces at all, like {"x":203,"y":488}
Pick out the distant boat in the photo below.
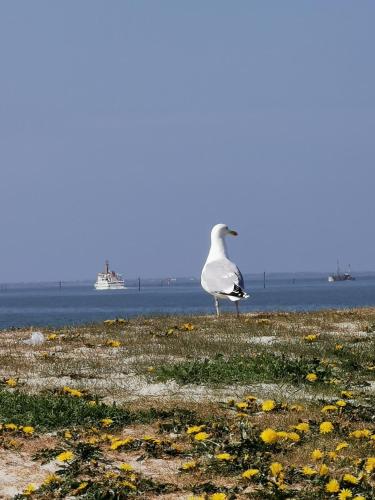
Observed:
{"x":109,"y":280}
{"x":339,"y":276}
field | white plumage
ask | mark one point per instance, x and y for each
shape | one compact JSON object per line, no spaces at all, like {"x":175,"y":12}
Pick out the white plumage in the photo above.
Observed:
{"x":220,"y":276}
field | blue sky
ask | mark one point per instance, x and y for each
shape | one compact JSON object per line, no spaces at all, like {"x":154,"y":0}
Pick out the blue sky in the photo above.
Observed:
{"x":129,"y":128}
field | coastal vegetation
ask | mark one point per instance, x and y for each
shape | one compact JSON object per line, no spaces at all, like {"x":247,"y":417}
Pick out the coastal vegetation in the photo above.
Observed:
{"x":277,"y":406}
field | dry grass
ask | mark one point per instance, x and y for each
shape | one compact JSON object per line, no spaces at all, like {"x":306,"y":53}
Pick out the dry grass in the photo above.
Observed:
{"x":148,"y":369}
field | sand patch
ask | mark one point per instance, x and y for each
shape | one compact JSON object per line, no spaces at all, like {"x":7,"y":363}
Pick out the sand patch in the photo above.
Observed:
{"x":17,"y":471}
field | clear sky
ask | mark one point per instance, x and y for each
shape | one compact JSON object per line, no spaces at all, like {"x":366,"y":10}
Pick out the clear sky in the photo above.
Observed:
{"x":129,"y":128}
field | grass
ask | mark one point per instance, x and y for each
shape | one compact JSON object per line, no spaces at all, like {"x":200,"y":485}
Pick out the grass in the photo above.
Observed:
{"x":265,"y":367}
{"x":50,"y":412}
{"x":231,"y":378}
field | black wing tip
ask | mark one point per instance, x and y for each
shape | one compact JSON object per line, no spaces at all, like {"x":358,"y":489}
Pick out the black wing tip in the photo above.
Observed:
{"x":237,"y":292}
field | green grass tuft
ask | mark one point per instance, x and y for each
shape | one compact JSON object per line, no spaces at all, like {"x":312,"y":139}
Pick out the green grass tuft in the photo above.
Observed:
{"x":240,"y":369}
{"x":51,"y":412}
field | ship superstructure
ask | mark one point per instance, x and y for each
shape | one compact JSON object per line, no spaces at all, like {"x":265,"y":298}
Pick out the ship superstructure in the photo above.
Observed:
{"x":109,"y":280}
{"x":339,"y":276}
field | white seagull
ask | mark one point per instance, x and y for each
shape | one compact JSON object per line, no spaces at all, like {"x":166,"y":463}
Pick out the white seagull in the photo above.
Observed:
{"x":220,"y":276}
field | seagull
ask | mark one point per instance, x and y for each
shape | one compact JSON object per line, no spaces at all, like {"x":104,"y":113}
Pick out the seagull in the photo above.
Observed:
{"x":220,"y":276}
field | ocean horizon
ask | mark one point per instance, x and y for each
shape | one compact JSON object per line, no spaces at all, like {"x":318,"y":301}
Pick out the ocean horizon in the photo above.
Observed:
{"x":43,"y":304}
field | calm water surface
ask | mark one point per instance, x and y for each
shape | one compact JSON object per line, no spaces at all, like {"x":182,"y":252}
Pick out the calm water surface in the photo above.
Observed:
{"x":72,"y":304}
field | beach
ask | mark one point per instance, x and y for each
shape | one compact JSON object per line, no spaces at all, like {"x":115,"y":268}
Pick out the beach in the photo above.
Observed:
{"x":185,"y":406}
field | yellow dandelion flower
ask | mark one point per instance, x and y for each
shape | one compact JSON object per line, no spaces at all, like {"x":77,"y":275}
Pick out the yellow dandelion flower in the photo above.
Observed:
{"x":128,"y":484}
{"x":126,"y":467}
{"x":332,"y":455}
{"x":302,"y":427}
{"x":268,"y":405}
{"x":68,"y":435}
{"x":341,"y":403}
{"x":310,"y":338}
{"x":282,"y":434}
{"x":344,"y":494}
{"x":106,"y":422}
{"x":269,"y":436}
{"x":241,"y":415}
{"x":73,"y":392}
{"x":339,"y":347}
{"x":346,"y":394}
{"x":349,"y":478}
{"x":249,"y":473}
{"x":27,"y":429}
{"x":296,"y":407}
{"x":82,"y":486}
{"x":341,"y":446}
{"x":317,"y":454}
{"x":328,"y":408}
{"x":224,"y":456}
{"x":65,"y":456}
{"x":93,"y":440}
{"x":218,"y":496}
{"x":117,"y":443}
{"x":187,"y":327}
{"x":326,"y":427}
{"x":150,"y":369}
{"x":293,"y":436}
{"x":30,"y":489}
{"x":276,"y":468}
{"x":360,"y":433}
{"x":309,"y":471}
{"x":370,"y":464}
{"x":11,"y":382}
{"x":111,"y":475}
{"x":332,"y":486}
{"x":11,"y":427}
{"x":324,"y":470}
{"x":242,"y":405}
{"x":250,"y":397}
{"x":312,"y":377}
{"x":113,"y":343}
{"x":189,"y":465}
{"x":201,"y":436}
{"x":52,"y":336}
{"x":194,"y":429}
{"x":359,"y":497}
{"x":50,"y":479}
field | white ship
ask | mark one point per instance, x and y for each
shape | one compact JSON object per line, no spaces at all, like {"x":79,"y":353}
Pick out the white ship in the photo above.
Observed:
{"x":109,"y":280}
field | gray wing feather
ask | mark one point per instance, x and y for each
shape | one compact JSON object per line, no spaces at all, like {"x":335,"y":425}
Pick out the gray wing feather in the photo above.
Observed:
{"x":220,"y":276}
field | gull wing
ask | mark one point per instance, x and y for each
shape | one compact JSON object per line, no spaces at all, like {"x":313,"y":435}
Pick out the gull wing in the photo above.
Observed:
{"x":223,"y":277}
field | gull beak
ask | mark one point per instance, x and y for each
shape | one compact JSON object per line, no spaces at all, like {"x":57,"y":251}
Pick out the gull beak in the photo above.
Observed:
{"x":233,"y":233}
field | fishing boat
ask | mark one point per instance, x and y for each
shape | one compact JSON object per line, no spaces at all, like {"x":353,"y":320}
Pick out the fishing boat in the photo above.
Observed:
{"x":109,"y":280}
{"x":339,"y":276}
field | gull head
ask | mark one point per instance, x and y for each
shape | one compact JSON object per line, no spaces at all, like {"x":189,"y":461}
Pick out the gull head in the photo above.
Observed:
{"x":222,"y":230}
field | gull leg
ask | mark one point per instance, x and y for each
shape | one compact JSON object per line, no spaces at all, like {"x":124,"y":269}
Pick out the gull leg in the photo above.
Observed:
{"x":217,"y":306}
{"x":237,"y":309}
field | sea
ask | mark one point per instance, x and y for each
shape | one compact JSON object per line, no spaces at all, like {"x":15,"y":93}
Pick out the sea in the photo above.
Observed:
{"x":63,"y":303}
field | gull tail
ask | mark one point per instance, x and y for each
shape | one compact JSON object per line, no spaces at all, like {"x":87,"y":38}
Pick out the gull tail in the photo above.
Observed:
{"x":236,"y":293}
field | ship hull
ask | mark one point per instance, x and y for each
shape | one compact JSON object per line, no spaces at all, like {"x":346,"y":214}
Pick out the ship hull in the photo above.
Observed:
{"x":109,"y":286}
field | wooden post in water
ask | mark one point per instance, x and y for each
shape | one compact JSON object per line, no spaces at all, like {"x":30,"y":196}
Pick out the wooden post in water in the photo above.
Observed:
{"x":139,"y":284}
{"x":264,"y":279}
